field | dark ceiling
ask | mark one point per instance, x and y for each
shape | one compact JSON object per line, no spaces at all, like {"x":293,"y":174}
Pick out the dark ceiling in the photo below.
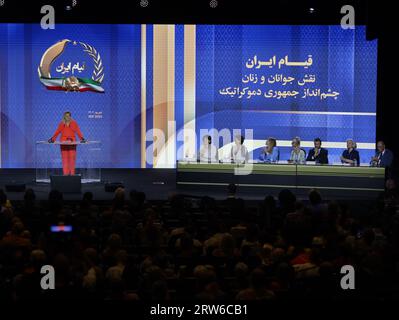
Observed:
{"x":189,"y":11}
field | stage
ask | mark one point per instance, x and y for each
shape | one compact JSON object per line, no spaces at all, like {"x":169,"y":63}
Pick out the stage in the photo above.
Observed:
{"x":158,"y":184}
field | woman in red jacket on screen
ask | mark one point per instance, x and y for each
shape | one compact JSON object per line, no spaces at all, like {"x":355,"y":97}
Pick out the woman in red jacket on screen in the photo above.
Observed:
{"x":68,"y":129}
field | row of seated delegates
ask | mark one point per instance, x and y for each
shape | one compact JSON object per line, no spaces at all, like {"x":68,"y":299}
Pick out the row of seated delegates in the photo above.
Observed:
{"x":382,"y":158}
{"x":271,"y":154}
{"x":317,"y":154}
{"x":209,"y":153}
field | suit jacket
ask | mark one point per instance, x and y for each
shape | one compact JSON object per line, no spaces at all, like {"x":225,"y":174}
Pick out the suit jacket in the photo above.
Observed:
{"x":322,"y":157}
{"x":68,"y":132}
{"x":353,"y":155}
{"x":386,"y":159}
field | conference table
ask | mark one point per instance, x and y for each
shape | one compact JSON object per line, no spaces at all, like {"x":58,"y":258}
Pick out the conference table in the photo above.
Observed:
{"x":334,"y":181}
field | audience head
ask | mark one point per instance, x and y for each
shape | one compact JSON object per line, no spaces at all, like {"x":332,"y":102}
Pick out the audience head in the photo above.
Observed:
{"x":55,"y":196}
{"x":121,"y":257}
{"x":88,"y":196}
{"x":241,"y":270}
{"x":55,"y":200}
{"x":258,"y":279}
{"x":119,"y":198}
{"x":29,"y":195}
{"x":159,"y":291}
{"x":204,"y":274}
{"x":137,"y":199}
{"x":227,"y":244}
{"x":390,"y":184}
{"x":269,"y":202}
{"x":114,"y":241}
{"x":314,"y":197}
{"x":286,"y":198}
{"x":38,"y":258}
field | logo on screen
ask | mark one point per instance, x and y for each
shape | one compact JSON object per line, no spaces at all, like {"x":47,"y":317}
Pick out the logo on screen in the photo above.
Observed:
{"x":78,"y":67}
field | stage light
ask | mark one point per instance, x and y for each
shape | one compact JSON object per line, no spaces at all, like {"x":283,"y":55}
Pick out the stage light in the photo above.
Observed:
{"x":2,"y":2}
{"x":144,"y":3}
{"x":72,"y":5}
{"x":312,"y":10}
{"x":213,"y":3}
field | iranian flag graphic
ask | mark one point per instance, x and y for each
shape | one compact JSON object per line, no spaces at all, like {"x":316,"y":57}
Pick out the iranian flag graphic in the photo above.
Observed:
{"x":72,"y":84}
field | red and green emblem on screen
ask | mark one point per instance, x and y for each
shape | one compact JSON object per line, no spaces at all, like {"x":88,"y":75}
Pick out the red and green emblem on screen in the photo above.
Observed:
{"x":69,"y":79}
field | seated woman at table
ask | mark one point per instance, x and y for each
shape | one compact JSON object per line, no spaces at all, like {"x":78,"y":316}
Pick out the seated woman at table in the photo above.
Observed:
{"x":270,"y":152}
{"x":297,"y":154}
{"x":208,"y":152}
{"x":239,"y":153}
{"x":351,"y":155}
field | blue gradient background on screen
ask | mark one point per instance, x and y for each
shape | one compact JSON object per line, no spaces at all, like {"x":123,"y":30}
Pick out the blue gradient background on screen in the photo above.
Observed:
{"x":342,"y":60}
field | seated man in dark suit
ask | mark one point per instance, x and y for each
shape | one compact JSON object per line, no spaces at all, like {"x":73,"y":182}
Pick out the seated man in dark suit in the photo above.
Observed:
{"x":383,"y":157}
{"x":318,"y":154}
